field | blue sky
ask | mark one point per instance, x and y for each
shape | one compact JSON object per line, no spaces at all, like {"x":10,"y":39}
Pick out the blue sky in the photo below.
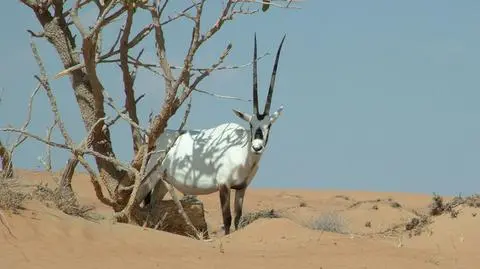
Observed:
{"x":378,"y":95}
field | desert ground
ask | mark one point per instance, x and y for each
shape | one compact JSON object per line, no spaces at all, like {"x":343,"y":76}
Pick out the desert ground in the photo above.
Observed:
{"x":313,"y":229}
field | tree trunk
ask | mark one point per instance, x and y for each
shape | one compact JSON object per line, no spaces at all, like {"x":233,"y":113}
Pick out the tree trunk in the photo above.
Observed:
{"x":7,"y":165}
{"x":65,"y":184}
{"x":59,"y":35}
{"x":164,"y":215}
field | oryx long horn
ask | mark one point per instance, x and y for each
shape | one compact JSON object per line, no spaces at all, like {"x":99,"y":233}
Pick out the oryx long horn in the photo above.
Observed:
{"x":272,"y":80}
{"x":255,"y":80}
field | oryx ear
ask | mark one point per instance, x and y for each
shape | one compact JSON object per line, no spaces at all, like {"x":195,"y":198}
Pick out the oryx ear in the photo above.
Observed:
{"x":276,"y":114}
{"x":243,"y":116}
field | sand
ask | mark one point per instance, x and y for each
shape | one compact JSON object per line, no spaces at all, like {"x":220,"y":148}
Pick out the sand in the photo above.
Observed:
{"x":47,"y":238}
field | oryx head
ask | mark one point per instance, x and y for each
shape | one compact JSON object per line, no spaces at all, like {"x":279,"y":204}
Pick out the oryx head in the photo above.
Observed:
{"x":260,"y":123}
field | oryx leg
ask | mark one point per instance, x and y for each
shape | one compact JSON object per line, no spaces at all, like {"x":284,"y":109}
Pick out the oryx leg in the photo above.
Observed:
{"x":150,"y":188}
{"x":158,"y":193}
{"x":225,"y":204}
{"x":147,"y":199}
{"x":239,"y":194}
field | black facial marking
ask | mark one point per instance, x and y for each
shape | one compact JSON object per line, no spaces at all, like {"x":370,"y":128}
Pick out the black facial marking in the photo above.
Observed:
{"x":251,"y":132}
{"x":258,"y":134}
{"x":261,"y":116}
{"x":268,"y":134}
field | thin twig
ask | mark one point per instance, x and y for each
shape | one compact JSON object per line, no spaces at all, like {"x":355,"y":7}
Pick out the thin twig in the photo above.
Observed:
{"x":207,"y":72}
{"x":223,"y":96}
{"x":179,"y":14}
{"x":161,"y":221}
{"x":76,"y":20}
{"x":36,"y":137}
{"x":101,"y":19}
{"x":122,"y":115}
{"x":48,"y":162}
{"x":110,"y":123}
{"x":272,"y":3}
{"x":149,"y":66}
{"x":112,"y":52}
{"x":22,"y":138}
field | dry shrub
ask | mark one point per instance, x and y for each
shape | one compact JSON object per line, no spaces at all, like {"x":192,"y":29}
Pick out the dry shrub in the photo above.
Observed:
{"x":439,"y":207}
{"x":11,"y":198}
{"x":63,"y":200}
{"x":471,"y":201}
{"x":250,"y":217}
{"x":328,"y":222}
{"x":417,"y":225}
{"x":395,"y":204}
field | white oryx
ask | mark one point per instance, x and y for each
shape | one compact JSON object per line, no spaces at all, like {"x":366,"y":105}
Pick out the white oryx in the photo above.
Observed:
{"x":216,"y":159}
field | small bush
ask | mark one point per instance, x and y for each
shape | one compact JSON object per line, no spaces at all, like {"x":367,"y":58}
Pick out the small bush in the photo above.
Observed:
{"x":248,"y":218}
{"x":416,"y":225}
{"x":395,"y":204}
{"x":328,"y":222}
{"x":10,"y":199}
{"x":437,"y":206}
{"x":64,"y":201}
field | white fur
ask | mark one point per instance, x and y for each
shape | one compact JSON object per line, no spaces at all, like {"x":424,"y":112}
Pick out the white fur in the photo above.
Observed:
{"x":202,"y":160}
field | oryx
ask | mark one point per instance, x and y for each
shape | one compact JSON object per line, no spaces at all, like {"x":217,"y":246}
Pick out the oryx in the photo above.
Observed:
{"x":216,"y":159}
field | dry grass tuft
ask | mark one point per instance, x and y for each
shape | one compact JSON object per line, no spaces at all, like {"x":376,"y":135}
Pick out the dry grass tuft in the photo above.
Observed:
{"x":248,"y":218}
{"x":437,"y":207}
{"x":328,"y":222}
{"x":65,"y":201}
{"x":10,"y":198}
{"x":417,"y":225}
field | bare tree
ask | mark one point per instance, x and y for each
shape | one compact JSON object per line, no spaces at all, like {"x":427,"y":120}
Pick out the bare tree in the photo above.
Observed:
{"x":79,"y":47}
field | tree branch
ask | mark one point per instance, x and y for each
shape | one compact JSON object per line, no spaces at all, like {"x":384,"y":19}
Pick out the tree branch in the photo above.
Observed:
{"x":207,"y":72}
{"x":141,"y":176}
{"x":77,"y":152}
{"x":110,"y":123}
{"x":128,"y":84}
{"x":36,"y":137}
{"x":132,"y":123}
{"x":161,"y":50}
{"x":74,"y":15}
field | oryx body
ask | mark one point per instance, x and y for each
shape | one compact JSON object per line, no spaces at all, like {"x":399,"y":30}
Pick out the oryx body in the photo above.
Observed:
{"x":221,"y":158}
{"x":202,"y":160}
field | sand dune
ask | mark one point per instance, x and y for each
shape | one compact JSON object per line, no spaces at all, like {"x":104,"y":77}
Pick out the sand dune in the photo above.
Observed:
{"x":48,"y":238}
